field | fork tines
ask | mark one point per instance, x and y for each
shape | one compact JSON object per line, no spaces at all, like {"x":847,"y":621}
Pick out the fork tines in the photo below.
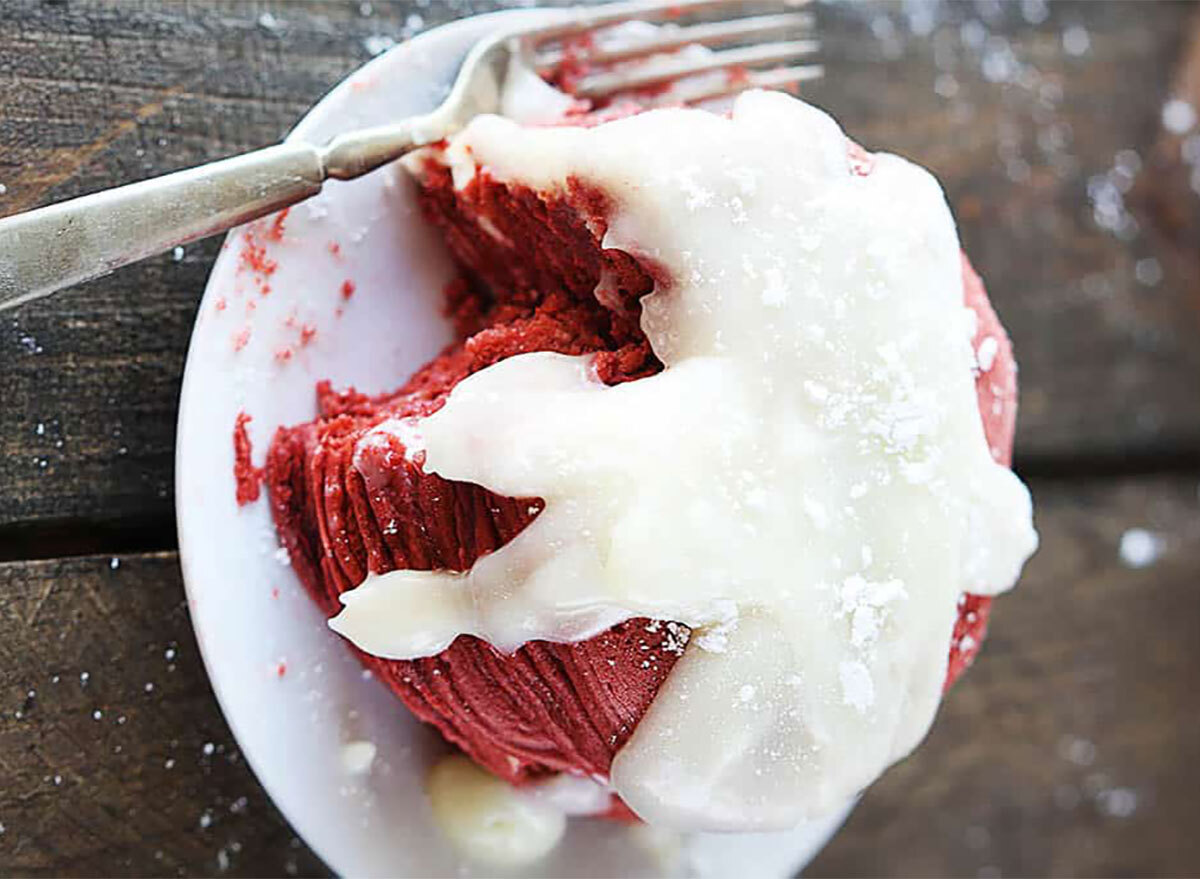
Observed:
{"x":606,"y":69}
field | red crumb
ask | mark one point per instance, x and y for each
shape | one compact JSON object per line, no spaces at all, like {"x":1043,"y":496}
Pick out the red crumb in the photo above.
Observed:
{"x":574,"y":65}
{"x":264,"y":289}
{"x":339,"y":311}
{"x":348,"y":288}
{"x":283,"y":355}
{"x":651,"y":91}
{"x":335,"y":249}
{"x":240,"y":338}
{"x":245,"y":474}
{"x":254,"y":255}
{"x":275,"y":230}
{"x":221,"y":303}
{"x":862,"y":163}
{"x":737,"y":75}
{"x":281,"y":669}
{"x":306,"y":333}
{"x":274,"y":591}
{"x":581,"y":115}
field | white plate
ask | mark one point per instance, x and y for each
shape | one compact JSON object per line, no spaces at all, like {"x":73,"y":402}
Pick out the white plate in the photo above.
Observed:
{"x":251,"y":616}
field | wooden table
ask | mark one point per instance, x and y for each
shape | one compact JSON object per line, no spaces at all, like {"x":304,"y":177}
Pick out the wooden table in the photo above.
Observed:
{"x":1073,"y":747}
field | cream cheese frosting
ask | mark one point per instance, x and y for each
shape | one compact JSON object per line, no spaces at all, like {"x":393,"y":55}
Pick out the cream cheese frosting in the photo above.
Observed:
{"x":806,"y":483}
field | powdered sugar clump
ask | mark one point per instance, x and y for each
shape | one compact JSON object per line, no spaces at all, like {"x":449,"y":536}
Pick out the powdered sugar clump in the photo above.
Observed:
{"x":377,"y":44}
{"x":1076,"y":40}
{"x":357,"y":757}
{"x":1178,"y":116}
{"x":858,"y":689}
{"x":1140,"y":548}
{"x":986,"y":353}
{"x":1117,"y":802}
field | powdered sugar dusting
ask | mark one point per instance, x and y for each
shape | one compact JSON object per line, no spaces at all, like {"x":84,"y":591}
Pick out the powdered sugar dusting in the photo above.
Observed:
{"x":986,"y":353}
{"x":357,"y":756}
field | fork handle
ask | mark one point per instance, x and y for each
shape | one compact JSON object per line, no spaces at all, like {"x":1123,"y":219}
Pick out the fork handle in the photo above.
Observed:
{"x":44,"y":250}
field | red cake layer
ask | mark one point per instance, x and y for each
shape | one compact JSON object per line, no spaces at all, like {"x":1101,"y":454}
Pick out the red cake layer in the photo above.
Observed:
{"x":529,"y":275}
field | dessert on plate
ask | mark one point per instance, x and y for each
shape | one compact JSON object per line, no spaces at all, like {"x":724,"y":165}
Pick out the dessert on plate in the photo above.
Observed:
{"x":708,"y":502}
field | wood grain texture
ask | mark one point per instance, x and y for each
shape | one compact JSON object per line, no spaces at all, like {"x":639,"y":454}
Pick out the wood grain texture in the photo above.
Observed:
{"x":106,"y":92}
{"x":1072,"y":748}
{"x":114,"y":758}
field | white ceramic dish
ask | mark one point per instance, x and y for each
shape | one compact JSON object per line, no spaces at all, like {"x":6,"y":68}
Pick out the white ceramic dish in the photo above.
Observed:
{"x":291,"y":691}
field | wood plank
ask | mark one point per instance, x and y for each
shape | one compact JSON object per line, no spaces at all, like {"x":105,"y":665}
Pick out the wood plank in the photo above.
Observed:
{"x":114,"y":756}
{"x":113,"y":92}
{"x":1072,"y":748}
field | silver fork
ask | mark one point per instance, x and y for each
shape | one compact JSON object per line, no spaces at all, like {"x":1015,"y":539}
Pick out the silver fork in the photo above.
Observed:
{"x":53,"y":247}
